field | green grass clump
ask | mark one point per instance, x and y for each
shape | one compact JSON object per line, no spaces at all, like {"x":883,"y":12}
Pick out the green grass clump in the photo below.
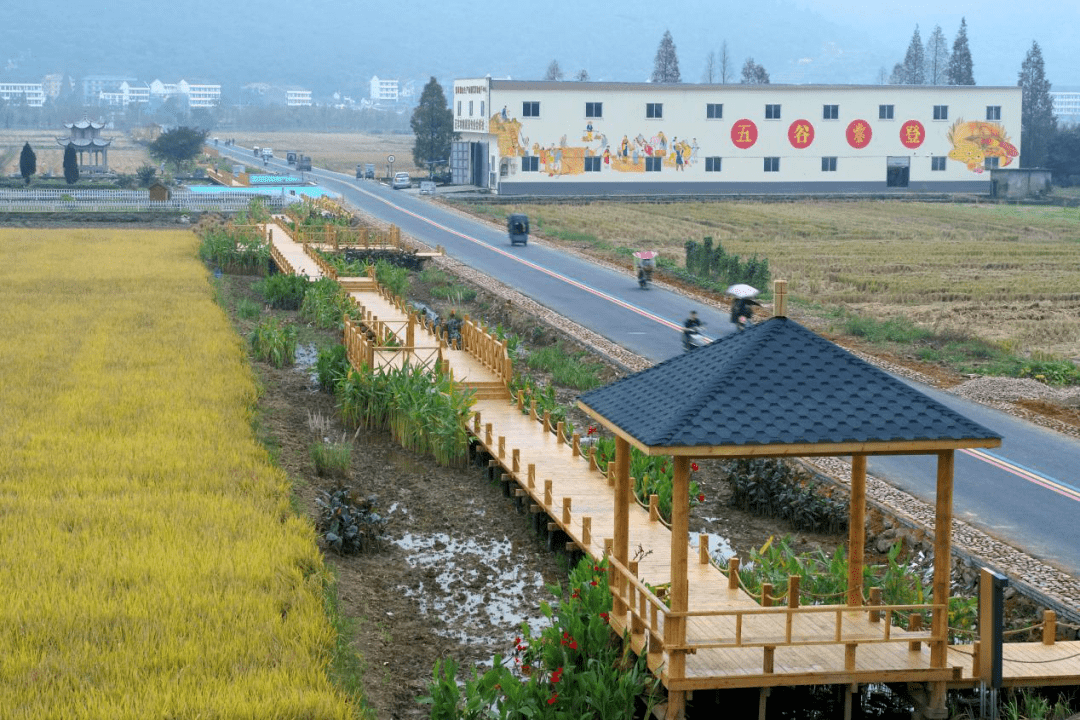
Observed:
{"x":285,"y":292}
{"x":569,"y":369}
{"x":248,"y":309}
{"x":274,"y":342}
{"x":332,"y":459}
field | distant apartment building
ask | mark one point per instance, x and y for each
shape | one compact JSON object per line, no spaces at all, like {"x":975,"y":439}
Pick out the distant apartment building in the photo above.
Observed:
{"x":1066,"y":106}
{"x":127,"y":94}
{"x":94,"y":85}
{"x":29,"y":94}
{"x":384,"y":90}
{"x":52,"y":84}
{"x":298,"y":98}
{"x":194,"y":94}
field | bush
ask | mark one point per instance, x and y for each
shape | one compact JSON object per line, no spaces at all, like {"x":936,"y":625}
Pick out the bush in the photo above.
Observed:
{"x":326,"y":304}
{"x":285,"y":292}
{"x":331,"y":365}
{"x":772,"y":488}
{"x":274,"y":342}
{"x":332,"y":459}
{"x":348,"y":525}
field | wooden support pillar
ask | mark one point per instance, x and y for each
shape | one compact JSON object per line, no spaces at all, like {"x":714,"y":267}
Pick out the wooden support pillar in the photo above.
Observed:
{"x":592,"y":458}
{"x":703,"y":548}
{"x":532,"y":476}
{"x":575,"y":440}
{"x":856,"y":530}
{"x":621,"y":471}
{"x":410,"y":332}
{"x":654,"y":508}
{"x":793,"y":591}
{"x":515,"y":460}
{"x":502,"y":446}
{"x":547,"y":493}
{"x":875,"y":599}
{"x":733,"y":573}
{"x":559,"y":432}
{"x":942,"y":574}
{"x":487,"y":435}
{"x":766,"y":594}
{"x":476,"y":422}
{"x":675,"y":626}
{"x":566,"y":502}
{"x":586,"y":531}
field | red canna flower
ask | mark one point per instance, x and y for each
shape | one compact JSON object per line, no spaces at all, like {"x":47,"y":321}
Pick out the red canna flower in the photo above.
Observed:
{"x":573,"y":644}
{"x":593,"y":583}
{"x":694,"y":467}
{"x":592,"y":429}
{"x":556,"y":676}
{"x":553,"y":698}
{"x":701,"y":497}
{"x":604,"y":617}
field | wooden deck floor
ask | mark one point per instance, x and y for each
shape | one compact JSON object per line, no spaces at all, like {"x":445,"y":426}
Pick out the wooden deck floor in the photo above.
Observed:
{"x":579,"y":501}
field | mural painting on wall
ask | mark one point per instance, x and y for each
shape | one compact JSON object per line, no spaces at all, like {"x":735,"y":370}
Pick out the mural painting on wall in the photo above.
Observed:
{"x":626,"y":155}
{"x":858,"y":134}
{"x":973,"y":142}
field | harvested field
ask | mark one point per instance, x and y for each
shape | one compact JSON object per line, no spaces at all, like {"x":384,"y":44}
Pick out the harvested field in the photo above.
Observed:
{"x":125,"y":155}
{"x":1004,"y":273}
{"x":334,"y":151}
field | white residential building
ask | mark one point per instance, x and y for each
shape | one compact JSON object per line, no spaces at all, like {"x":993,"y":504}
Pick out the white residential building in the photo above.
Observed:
{"x":384,"y":90}
{"x":197,"y":95}
{"x":601,"y":138}
{"x":298,"y":98}
{"x":1066,"y":106}
{"x":29,"y":94}
{"x":127,"y":94}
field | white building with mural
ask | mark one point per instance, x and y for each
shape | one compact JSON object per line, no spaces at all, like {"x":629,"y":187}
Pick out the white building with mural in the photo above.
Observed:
{"x":592,"y":138}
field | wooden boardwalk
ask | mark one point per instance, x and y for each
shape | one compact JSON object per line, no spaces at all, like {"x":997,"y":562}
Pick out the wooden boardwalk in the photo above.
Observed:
{"x":731,"y":640}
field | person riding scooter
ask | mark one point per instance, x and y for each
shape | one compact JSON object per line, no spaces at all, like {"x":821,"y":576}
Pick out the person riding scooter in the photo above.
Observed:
{"x":690,"y":330}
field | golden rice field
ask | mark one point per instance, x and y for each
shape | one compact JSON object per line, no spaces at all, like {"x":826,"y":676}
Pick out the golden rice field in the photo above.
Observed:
{"x":1006,"y":273}
{"x":150,"y":563}
{"x":125,"y":155}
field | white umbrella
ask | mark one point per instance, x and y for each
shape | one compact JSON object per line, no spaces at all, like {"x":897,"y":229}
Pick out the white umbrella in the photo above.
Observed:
{"x":742,"y":290}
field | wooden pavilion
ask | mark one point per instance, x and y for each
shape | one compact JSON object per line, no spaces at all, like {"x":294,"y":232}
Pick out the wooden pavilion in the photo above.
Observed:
{"x":777,"y":390}
{"x":85,"y":138}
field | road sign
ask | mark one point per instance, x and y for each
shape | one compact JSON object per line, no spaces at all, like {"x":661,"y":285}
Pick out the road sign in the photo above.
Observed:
{"x":390,"y":159}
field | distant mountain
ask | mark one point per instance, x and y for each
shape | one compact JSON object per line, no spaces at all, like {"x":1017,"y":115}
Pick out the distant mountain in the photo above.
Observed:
{"x":337,"y":45}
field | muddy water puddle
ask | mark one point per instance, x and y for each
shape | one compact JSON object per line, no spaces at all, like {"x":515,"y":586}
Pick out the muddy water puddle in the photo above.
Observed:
{"x":478,"y":587}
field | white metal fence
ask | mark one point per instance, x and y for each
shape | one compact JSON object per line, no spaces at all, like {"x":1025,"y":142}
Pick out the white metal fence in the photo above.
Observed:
{"x":55,"y":200}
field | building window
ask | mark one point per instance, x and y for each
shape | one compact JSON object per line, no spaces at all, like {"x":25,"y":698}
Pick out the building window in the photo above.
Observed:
{"x":828,"y":164}
{"x":993,"y":112}
{"x":772,"y":164}
{"x":714,"y":111}
{"x":653,"y":164}
{"x":712,"y":164}
{"x":592,"y":163}
{"x":530,"y":163}
{"x":470,"y":108}
{"x":991,"y":162}
{"x":530,"y":108}
{"x":937,"y":164}
{"x":459,"y":108}
{"x":885,"y":112}
{"x":830,"y":112}
{"x":941,"y":112}
{"x":654,"y":110}
{"x":594,"y":109}
{"x":482,"y":109}
{"x":772,"y":112}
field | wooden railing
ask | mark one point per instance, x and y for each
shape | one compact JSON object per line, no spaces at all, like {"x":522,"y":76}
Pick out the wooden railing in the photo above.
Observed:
{"x":363,"y":351}
{"x":338,"y":236}
{"x":763,"y":627}
{"x":488,"y":349}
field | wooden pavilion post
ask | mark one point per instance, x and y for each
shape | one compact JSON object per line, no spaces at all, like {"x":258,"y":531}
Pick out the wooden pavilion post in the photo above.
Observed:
{"x":942,"y":573}
{"x":675,"y":627}
{"x":856,"y":530}
{"x":622,"y":518}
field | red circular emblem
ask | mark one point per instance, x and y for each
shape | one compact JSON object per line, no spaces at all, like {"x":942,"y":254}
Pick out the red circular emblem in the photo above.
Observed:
{"x":859,"y":134}
{"x":912,"y":134}
{"x":800,"y":134}
{"x":743,"y":133}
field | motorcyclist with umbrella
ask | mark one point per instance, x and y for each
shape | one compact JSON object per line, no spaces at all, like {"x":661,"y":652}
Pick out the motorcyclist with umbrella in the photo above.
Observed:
{"x":742,"y":306}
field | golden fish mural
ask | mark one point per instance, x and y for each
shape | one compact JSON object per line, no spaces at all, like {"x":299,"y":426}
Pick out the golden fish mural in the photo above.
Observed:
{"x":975,"y":141}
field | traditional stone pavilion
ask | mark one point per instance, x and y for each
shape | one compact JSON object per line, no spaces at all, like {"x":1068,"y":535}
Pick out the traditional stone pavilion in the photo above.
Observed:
{"x":777,"y":390}
{"x":85,"y":138}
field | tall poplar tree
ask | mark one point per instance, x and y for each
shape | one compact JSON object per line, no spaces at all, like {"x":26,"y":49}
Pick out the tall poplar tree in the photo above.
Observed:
{"x":1037,"y":121}
{"x":754,"y":74}
{"x":666,"y":64}
{"x":961,"y":68}
{"x":27,"y":163}
{"x":937,"y":58}
{"x":433,"y":125}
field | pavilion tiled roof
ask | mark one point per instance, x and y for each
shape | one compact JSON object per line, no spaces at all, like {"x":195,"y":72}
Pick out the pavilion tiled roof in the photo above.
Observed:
{"x":777,"y":383}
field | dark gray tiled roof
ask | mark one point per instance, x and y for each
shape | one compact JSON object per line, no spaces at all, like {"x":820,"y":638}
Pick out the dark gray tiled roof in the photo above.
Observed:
{"x":776,"y":383}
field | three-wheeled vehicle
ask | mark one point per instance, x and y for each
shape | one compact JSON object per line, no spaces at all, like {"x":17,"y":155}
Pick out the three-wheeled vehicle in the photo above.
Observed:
{"x":518,"y":227}
{"x":644,"y":264}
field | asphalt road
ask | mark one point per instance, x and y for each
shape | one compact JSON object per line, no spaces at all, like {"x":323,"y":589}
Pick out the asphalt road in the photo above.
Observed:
{"x":1025,"y":493}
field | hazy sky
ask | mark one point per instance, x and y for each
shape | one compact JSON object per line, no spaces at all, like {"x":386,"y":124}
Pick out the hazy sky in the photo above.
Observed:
{"x":337,"y":45}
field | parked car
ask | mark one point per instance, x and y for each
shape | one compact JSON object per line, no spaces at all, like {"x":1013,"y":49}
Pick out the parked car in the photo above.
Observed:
{"x":401,"y":180}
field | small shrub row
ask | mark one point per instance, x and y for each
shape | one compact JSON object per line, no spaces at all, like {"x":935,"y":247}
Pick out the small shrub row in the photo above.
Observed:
{"x":772,"y":488}
{"x":274,"y":342}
